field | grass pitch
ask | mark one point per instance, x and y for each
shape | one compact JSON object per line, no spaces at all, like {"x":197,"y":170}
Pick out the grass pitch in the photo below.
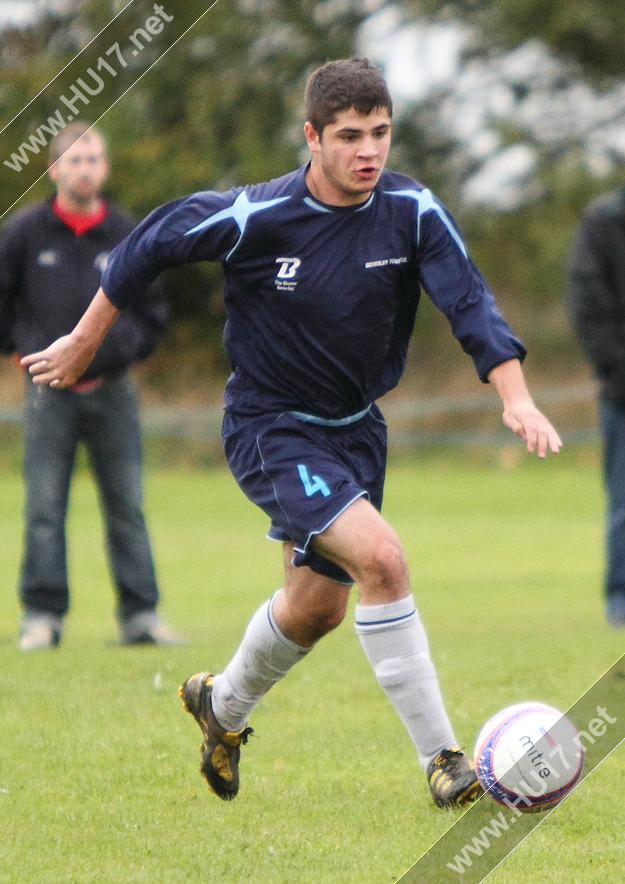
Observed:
{"x":98,"y":766}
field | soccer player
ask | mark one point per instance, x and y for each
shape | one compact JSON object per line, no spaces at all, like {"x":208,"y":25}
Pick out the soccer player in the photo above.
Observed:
{"x":323,"y":270}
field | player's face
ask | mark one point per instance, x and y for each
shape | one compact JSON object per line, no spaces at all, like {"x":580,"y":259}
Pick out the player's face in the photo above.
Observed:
{"x":348,"y":159}
{"x":80,"y":173}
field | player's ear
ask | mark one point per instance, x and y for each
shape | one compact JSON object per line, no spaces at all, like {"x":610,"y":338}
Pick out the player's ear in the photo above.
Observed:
{"x":313,"y":140}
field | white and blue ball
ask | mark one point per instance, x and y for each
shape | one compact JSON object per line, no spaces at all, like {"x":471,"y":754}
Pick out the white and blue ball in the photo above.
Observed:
{"x":528,"y":755}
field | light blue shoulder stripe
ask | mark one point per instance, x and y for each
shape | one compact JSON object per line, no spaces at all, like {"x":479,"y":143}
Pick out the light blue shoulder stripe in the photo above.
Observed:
{"x":426,"y":203}
{"x":240,"y":211}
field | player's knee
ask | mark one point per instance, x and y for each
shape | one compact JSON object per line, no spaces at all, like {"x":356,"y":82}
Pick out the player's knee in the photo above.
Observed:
{"x":324,"y":620}
{"x":386,"y":565}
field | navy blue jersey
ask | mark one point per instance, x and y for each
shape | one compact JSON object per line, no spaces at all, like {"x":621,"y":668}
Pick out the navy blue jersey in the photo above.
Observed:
{"x":320,"y":300}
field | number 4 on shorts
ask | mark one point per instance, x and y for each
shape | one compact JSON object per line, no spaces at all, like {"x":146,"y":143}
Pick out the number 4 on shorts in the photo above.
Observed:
{"x":311,"y":486}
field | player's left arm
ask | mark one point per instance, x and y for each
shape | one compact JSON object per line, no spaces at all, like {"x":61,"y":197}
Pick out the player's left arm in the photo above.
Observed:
{"x":64,"y":361}
{"x":519,"y":412}
{"x":458,"y":289}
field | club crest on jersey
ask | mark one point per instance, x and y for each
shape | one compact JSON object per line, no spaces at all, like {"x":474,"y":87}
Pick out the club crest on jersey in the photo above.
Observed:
{"x":287,"y":273}
{"x":101,"y":261}
{"x":48,"y":258}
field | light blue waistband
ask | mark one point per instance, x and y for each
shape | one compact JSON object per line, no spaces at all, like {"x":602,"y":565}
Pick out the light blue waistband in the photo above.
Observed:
{"x":331,"y":422}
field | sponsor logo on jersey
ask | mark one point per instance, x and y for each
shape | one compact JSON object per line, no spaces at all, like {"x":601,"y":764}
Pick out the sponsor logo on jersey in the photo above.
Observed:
{"x":386,"y":262}
{"x":287,"y":273}
{"x":48,"y":258}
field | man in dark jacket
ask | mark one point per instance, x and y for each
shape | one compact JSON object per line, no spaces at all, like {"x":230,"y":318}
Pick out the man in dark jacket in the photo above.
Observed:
{"x":596,"y":302}
{"x":51,"y":257}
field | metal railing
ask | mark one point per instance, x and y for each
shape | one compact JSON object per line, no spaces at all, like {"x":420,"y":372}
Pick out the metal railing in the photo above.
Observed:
{"x":407,"y":418}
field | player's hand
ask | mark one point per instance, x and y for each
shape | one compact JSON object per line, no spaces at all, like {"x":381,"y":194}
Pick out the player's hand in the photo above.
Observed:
{"x":66,"y":360}
{"x":524,"y":419}
{"x":59,"y":365}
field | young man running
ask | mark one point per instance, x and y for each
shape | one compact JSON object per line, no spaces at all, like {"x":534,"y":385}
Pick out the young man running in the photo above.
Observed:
{"x":323,"y":270}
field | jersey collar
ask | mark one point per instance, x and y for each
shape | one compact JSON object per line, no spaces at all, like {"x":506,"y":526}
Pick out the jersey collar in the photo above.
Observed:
{"x":325,"y":208}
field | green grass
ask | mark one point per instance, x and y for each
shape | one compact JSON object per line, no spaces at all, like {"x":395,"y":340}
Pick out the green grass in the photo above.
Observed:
{"x":98,"y":765}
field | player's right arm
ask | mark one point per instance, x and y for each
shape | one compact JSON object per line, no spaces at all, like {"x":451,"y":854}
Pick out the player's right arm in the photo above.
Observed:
{"x":64,"y":361}
{"x":172,"y":235}
{"x":195,"y":228}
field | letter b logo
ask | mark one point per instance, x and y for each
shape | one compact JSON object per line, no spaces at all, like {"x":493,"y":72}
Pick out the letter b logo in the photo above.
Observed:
{"x":288,"y":267}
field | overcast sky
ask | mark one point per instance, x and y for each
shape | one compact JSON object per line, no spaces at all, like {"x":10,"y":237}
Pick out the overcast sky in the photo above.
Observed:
{"x":527,"y":89}
{"x":18,"y":12}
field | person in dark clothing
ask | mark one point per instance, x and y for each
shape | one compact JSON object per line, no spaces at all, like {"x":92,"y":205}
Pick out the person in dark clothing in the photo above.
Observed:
{"x":596,"y":306}
{"x":52,"y":255}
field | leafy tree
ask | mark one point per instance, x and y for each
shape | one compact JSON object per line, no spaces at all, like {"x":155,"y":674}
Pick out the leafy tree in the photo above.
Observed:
{"x":588,"y":32}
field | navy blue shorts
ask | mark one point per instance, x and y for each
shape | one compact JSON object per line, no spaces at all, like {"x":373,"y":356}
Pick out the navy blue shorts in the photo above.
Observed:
{"x":303,"y":475}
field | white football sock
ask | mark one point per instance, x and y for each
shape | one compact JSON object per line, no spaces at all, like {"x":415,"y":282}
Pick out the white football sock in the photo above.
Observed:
{"x":262,"y":659}
{"x":395,"y":644}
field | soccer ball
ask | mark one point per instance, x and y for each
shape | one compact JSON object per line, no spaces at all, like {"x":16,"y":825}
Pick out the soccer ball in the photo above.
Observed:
{"x":528,"y":755}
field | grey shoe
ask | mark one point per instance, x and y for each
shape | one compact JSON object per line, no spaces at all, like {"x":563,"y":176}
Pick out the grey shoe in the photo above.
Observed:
{"x":146,"y":628}
{"x":39,"y":631}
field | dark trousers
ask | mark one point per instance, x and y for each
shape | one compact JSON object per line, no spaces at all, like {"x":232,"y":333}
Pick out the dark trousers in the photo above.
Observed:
{"x":106,"y":420}
{"x":613,"y":431}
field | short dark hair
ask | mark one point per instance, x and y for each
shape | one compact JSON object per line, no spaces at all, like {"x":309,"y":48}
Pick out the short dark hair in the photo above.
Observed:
{"x":340,"y":85}
{"x":64,"y":139}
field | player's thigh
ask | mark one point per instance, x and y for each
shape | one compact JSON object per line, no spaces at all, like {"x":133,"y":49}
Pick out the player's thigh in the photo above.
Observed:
{"x":291,"y":471}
